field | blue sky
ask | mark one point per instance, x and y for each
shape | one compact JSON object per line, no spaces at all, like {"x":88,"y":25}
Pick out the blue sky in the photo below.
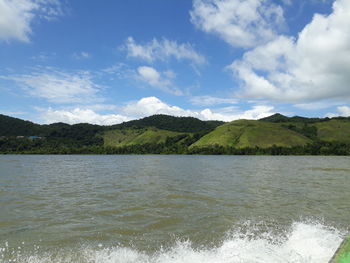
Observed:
{"x":106,"y":62}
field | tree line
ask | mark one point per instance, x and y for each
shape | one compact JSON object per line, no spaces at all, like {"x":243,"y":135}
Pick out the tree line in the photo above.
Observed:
{"x":170,"y":146}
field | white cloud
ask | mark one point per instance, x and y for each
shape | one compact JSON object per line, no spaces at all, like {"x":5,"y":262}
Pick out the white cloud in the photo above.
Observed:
{"x":343,"y":111}
{"x":59,"y":87}
{"x":157,"y":80}
{"x":230,"y":114}
{"x":81,"y":55}
{"x":241,"y":23}
{"x":152,"y":105}
{"x":13,"y":113}
{"x":152,"y":76}
{"x":210,"y":101}
{"x":16,"y":16}
{"x":313,"y":67}
{"x":146,"y":107}
{"x":79,"y":115}
{"x":163,"y":50}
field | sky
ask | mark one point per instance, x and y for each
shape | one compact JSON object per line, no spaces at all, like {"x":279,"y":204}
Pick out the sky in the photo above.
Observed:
{"x":106,"y":62}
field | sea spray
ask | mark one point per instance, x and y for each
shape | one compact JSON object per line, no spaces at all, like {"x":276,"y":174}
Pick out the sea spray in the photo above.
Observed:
{"x":304,"y":242}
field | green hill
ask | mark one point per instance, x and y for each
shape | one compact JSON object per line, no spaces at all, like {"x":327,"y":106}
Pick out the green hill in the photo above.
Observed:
{"x":276,"y":134}
{"x":10,"y":126}
{"x":171,"y":123}
{"x":136,"y":136}
{"x":250,"y":133}
{"x":323,"y":129}
{"x":279,"y":118}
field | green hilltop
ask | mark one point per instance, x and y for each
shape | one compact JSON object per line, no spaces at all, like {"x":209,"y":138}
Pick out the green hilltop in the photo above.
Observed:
{"x":276,"y":134}
{"x":250,"y":133}
{"x":171,"y":123}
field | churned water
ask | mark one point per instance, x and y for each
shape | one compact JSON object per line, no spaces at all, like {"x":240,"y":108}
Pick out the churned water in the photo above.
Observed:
{"x":174,"y":209}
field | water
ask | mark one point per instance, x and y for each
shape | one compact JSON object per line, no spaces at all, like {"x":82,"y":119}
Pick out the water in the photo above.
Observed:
{"x":166,"y":209}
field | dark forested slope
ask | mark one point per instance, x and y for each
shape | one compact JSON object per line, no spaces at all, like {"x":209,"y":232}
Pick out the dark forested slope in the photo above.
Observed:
{"x":171,"y":123}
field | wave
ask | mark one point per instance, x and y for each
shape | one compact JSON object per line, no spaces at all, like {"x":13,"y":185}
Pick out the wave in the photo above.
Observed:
{"x":303,"y":242}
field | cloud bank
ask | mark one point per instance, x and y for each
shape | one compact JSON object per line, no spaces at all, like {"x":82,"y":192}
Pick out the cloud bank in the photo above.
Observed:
{"x":79,"y":115}
{"x":149,"y":106}
{"x":312,"y":67}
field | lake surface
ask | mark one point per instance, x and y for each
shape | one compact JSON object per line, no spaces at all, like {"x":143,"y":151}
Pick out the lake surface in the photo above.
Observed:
{"x":165,"y":209}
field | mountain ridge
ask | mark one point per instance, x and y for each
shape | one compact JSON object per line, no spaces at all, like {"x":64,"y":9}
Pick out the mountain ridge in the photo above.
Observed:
{"x":181,"y":135}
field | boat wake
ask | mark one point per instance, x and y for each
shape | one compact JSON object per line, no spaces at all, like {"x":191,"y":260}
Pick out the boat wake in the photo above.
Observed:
{"x":303,"y":242}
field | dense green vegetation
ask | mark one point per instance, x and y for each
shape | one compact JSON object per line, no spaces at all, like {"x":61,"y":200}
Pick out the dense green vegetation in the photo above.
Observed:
{"x":161,"y":134}
{"x":171,"y":123}
{"x":278,"y":118}
{"x":248,"y":133}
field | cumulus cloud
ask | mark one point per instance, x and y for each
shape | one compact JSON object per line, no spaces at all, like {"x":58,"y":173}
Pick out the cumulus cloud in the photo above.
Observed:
{"x":158,"y":80}
{"x":79,"y":115}
{"x":58,"y":87}
{"x":343,"y":111}
{"x":146,"y":107}
{"x":312,"y":67}
{"x":152,"y":105}
{"x":16,"y":16}
{"x":240,"y":23}
{"x":163,"y":50}
{"x":230,"y":114}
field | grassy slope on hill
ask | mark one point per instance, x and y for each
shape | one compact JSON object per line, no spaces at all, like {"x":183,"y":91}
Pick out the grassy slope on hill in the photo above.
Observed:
{"x":133,"y":136}
{"x":334,"y":130}
{"x":248,"y":133}
{"x":324,"y":129}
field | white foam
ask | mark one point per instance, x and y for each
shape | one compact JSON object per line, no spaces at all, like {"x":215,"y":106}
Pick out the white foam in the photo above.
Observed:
{"x":305,"y":242}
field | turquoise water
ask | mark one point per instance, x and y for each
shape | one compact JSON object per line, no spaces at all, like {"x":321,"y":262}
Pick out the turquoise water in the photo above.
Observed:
{"x":158,"y":208}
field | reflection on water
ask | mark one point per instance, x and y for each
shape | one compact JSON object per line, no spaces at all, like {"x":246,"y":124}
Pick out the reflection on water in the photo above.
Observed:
{"x":172,"y":208}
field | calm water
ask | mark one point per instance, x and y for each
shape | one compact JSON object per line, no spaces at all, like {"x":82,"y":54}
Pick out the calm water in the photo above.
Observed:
{"x":172,"y":208}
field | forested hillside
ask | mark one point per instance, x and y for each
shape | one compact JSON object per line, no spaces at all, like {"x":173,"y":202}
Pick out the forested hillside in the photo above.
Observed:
{"x":171,"y":123}
{"x":164,"y":134}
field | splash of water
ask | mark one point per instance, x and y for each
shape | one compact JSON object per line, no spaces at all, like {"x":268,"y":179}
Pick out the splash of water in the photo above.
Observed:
{"x":305,"y":242}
